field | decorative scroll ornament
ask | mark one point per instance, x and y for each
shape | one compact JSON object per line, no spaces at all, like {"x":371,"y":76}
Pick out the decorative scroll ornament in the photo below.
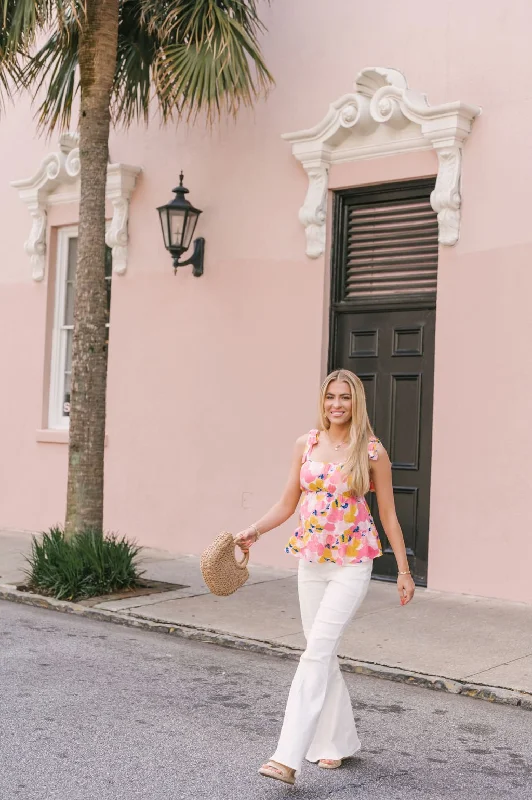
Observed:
{"x":383,"y":117}
{"x":57,"y":181}
{"x":121,"y":180}
{"x":446,"y":199}
{"x":313,"y":212}
{"x":35,"y":246}
{"x":116,"y":236}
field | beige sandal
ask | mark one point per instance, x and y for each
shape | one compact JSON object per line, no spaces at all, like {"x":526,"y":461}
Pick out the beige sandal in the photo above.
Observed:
{"x":330,"y":763}
{"x":278,"y":772}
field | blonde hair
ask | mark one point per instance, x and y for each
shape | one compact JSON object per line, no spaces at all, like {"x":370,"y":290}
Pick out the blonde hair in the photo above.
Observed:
{"x":357,"y":461}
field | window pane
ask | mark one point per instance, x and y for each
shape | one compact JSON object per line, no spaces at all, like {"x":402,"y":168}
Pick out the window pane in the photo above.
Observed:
{"x":69,"y":304}
{"x":66,"y":398}
{"x":108,"y":262}
{"x":72,"y":258}
{"x":68,"y":371}
{"x":108,"y":280}
{"x":108,"y":290}
{"x":68,"y":351}
{"x":68,"y":318}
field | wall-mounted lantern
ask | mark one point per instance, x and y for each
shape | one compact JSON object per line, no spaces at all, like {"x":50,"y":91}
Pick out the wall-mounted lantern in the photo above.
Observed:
{"x":178,"y":221}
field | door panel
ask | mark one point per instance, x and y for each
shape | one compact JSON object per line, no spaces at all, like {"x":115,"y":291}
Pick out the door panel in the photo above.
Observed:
{"x":405,"y":416}
{"x":392,"y":351}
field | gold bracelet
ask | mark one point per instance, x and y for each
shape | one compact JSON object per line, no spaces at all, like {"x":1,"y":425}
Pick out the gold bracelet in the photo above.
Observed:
{"x":405,"y":573}
{"x":259,"y":534}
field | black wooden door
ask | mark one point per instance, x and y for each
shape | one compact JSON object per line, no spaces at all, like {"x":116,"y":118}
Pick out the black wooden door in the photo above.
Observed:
{"x":382,"y":328}
{"x":393,"y":353}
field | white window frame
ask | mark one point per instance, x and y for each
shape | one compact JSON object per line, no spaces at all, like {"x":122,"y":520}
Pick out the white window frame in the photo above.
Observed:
{"x":56,"y":419}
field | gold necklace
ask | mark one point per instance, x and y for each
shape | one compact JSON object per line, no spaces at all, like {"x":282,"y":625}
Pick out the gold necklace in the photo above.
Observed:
{"x":336,"y":446}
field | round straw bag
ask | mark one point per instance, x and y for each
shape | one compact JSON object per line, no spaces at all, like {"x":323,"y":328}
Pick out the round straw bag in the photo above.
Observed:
{"x":222,"y":573}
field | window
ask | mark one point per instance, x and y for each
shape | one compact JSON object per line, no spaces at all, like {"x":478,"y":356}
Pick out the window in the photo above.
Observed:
{"x":61,"y":366}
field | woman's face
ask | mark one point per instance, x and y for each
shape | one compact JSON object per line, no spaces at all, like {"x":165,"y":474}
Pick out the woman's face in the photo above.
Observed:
{"x":338,"y":403}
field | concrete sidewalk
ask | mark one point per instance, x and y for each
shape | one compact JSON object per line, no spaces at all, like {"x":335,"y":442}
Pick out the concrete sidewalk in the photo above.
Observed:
{"x":480,"y":644}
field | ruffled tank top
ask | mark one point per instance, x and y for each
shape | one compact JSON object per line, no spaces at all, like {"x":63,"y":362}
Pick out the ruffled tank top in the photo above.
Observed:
{"x":334,"y":525}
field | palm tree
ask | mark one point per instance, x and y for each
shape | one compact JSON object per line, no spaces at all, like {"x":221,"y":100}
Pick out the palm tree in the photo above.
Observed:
{"x":123,"y":58}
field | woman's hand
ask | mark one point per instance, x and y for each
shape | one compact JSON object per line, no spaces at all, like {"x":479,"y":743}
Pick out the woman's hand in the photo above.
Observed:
{"x":406,"y":588}
{"x":245,"y":539}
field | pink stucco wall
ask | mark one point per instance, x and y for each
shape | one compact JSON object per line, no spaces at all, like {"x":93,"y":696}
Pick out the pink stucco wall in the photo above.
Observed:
{"x":211,"y":379}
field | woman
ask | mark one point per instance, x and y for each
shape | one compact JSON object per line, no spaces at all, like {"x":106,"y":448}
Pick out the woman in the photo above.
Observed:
{"x":336,"y":542}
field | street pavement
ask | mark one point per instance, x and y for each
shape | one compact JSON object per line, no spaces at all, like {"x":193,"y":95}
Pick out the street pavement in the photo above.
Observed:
{"x":92,"y":711}
{"x":473,"y":641}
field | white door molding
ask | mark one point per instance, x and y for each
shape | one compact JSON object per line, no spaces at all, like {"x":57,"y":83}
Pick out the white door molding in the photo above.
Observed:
{"x":383,"y":117}
{"x":57,"y":182}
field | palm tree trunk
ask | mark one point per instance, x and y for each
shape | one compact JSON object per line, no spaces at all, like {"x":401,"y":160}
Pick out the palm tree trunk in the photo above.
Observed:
{"x":97,"y":62}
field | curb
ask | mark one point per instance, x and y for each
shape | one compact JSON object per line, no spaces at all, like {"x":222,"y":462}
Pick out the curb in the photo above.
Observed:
{"x":493,"y":694}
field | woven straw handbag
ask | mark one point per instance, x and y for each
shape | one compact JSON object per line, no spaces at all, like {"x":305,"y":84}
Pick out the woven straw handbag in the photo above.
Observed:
{"x":221,"y":571}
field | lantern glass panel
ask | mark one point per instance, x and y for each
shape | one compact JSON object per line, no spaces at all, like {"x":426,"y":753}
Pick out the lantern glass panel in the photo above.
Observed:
{"x":177,"y":221}
{"x":163,"y":214}
{"x":189,"y":229}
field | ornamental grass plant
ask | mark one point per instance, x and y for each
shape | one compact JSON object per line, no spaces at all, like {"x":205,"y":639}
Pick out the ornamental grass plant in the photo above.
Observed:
{"x":88,"y":564}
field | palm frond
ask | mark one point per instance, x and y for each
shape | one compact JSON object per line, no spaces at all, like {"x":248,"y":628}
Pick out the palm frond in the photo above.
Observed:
{"x":9,"y":71}
{"x":137,"y":48}
{"x":193,"y":56}
{"x":209,"y":59}
{"x":19,"y":22}
{"x":197,"y":19}
{"x":23,"y":19}
{"x":22,"y":22}
{"x":52,"y":73}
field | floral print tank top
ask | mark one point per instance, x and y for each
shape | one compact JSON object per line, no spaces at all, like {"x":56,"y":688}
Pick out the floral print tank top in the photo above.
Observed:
{"x":335,"y":525}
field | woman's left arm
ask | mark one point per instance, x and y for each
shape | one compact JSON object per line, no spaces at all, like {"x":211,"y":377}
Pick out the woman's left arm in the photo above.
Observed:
{"x":381,"y":474}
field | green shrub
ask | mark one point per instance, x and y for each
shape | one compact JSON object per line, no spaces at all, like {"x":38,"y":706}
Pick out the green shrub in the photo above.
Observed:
{"x":87,"y":565}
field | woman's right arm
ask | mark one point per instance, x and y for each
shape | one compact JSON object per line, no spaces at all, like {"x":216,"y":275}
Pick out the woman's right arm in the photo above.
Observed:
{"x":284,"y":507}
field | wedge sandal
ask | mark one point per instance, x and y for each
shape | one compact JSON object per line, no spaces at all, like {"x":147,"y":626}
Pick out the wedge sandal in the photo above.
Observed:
{"x":330,"y":763}
{"x":272,"y":769}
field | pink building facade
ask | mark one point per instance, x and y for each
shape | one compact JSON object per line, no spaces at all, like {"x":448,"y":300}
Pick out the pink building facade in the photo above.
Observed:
{"x":371,"y":213}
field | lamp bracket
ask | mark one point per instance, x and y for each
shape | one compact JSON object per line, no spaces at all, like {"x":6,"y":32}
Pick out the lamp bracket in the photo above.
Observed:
{"x":196,"y":259}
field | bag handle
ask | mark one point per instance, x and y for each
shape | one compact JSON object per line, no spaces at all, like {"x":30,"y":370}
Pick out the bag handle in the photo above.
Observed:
{"x":244,"y":562}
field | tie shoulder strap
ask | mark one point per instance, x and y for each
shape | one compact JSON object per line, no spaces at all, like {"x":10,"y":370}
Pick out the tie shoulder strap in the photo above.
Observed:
{"x":312,"y":440}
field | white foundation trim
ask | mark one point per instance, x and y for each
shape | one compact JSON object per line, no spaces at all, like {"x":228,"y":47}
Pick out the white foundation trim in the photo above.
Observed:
{"x":48,"y":436}
{"x":383,"y":117}
{"x":57,"y":182}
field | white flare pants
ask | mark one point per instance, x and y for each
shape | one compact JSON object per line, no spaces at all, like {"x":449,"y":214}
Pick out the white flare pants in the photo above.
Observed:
{"x":319,"y":721}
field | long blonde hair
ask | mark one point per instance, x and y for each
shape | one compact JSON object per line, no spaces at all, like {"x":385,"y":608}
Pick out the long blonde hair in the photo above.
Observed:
{"x":357,"y":462}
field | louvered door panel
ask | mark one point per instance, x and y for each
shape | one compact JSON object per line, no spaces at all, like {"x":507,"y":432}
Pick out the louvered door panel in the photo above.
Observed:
{"x":389,"y":246}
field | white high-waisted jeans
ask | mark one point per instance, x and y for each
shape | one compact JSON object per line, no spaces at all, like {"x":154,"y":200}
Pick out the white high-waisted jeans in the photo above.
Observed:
{"x":319,"y":721}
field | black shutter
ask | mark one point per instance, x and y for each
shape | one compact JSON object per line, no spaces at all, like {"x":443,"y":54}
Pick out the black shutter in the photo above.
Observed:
{"x":387,"y":245}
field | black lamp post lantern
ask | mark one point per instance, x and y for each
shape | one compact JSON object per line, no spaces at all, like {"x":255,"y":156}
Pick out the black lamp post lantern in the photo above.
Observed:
{"x":178,"y":221}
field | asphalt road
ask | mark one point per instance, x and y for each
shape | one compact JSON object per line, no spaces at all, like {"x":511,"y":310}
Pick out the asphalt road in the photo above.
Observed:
{"x":94,"y":711}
